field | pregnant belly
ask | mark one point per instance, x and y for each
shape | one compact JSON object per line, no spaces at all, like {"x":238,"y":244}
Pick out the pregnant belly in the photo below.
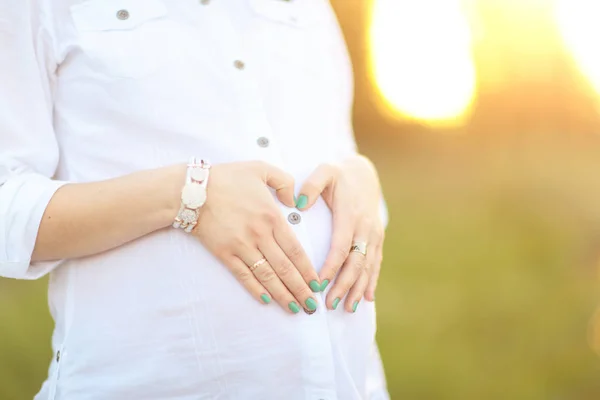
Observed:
{"x":164,"y":308}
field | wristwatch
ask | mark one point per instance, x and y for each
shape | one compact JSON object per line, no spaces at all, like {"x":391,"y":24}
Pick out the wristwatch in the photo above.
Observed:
{"x":193,"y":194}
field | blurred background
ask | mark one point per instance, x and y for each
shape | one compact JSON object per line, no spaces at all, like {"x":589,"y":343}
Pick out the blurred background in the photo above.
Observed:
{"x":483,"y":119}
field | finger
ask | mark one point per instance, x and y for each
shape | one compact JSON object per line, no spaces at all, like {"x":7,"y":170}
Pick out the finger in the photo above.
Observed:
{"x":322,"y":177}
{"x":269,"y":279}
{"x":356,"y":292}
{"x":282,"y":182}
{"x":354,"y":266}
{"x":288,"y":274}
{"x":371,"y":259}
{"x":343,"y":231}
{"x":294,"y":252}
{"x":370,"y":293}
{"x":248,"y":280}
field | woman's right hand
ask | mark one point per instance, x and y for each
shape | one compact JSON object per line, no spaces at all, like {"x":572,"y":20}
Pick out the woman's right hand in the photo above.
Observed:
{"x":241,"y":223}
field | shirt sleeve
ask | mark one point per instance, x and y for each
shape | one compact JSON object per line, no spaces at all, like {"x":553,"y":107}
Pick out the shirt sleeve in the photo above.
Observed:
{"x":28,"y":147}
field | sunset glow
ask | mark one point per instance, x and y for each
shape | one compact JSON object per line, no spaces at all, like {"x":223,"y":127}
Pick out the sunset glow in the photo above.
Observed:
{"x":421,"y":59}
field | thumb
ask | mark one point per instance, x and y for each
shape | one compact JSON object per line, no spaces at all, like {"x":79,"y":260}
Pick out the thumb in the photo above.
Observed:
{"x":321,"y":178}
{"x":282,"y":182}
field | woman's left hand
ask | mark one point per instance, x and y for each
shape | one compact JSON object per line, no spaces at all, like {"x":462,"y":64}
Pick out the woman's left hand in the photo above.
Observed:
{"x":352,"y":192}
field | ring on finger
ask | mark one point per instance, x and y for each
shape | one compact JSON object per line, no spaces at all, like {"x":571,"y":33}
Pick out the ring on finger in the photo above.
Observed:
{"x":257,"y":264}
{"x":359,"y":247}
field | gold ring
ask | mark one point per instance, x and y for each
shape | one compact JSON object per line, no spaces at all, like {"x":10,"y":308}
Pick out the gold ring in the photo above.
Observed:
{"x":359,"y":247}
{"x":258,"y":264}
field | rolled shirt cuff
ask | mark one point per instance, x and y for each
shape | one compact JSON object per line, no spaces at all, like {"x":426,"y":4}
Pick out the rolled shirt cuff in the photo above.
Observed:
{"x":23,"y":201}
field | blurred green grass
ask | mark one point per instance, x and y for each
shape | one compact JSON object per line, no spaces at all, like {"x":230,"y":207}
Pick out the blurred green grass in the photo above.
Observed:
{"x":25,"y":332}
{"x":489,"y":279}
{"x":490,"y":266}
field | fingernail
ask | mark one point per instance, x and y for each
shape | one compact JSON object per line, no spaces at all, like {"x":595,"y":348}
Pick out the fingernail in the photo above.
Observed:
{"x":301,"y":201}
{"x":311,"y":304}
{"x":265,"y":298}
{"x":314,"y":286}
{"x":354,"y":306}
{"x":335,"y":303}
{"x":324,"y":285}
{"x":309,"y":312}
{"x":294,"y":307}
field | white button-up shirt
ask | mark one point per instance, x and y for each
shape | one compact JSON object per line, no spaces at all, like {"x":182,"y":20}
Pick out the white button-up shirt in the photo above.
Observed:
{"x":94,"y":89}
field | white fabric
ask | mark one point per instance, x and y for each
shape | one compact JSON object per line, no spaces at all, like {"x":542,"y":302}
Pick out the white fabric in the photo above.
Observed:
{"x":86,"y":96}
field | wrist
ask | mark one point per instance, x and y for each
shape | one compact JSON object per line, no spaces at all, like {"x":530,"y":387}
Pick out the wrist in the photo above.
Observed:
{"x":358,"y":159}
{"x":170,"y":184}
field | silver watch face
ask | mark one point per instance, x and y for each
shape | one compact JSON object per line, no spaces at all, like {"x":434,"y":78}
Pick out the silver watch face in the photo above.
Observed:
{"x":199,"y":174}
{"x":193,"y":195}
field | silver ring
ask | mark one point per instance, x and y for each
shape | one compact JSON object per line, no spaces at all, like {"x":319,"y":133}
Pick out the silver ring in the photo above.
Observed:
{"x":359,"y":247}
{"x":258,"y":264}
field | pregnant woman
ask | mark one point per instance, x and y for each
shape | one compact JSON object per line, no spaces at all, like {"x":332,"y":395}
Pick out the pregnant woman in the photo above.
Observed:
{"x":185,"y":171}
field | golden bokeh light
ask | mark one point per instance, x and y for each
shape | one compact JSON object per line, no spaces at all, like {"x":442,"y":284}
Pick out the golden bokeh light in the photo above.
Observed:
{"x":578,"y":24}
{"x":421,"y":59}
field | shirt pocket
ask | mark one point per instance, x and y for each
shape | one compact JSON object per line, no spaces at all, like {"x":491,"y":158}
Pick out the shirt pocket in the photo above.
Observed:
{"x":301,"y":14}
{"x":299,"y":35}
{"x":122,"y":38}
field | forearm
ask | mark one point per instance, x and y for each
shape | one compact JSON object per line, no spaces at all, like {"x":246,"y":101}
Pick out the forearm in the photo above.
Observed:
{"x":88,"y":218}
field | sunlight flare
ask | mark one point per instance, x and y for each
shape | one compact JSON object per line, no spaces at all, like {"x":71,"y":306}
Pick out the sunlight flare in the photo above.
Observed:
{"x":421,"y":59}
{"x":578,"y":24}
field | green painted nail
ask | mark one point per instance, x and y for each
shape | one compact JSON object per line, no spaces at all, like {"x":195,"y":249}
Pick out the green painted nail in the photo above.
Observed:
{"x":324,"y":285}
{"x":294,"y":307}
{"x":354,"y":306}
{"x":301,"y":202}
{"x":335,"y":303}
{"x":314,"y":286}
{"x":311,"y":304}
{"x":265,"y":298}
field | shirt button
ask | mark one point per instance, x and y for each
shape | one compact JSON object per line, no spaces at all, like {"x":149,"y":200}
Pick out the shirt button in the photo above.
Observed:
{"x":58,"y":356}
{"x":123,"y":15}
{"x":294,"y":218}
{"x":262,"y":142}
{"x":239,"y":64}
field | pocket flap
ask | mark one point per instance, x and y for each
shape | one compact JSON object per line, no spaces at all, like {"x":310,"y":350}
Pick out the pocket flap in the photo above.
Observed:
{"x":299,"y":13}
{"x":106,"y":15}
